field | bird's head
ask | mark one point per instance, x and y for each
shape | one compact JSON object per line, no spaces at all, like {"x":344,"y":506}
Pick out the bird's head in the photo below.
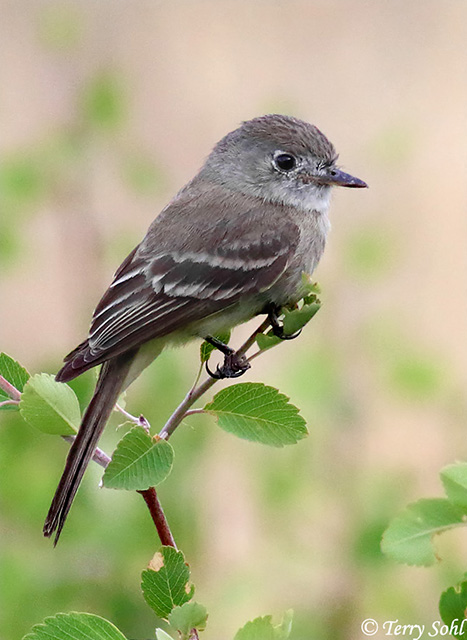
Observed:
{"x":279,"y":159}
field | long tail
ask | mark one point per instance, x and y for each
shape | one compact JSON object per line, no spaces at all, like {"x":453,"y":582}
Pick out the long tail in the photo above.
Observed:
{"x":108,"y":388}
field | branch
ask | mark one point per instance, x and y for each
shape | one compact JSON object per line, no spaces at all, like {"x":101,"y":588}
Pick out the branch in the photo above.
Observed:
{"x":197,"y":391}
{"x":158,"y":517}
{"x":7,"y":403}
{"x":98,"y":456}
{"x":140,"y":420}
{"x":9,"y":389}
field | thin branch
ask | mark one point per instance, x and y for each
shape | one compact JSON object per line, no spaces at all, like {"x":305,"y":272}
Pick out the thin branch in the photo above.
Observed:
{"x":196,"y":392}
{"x":192,"y":412}
{"x":177,"y":416}
{"x":252,"y":339}
{"x":98,"y":456}
{"x":9,"y":389}
{"x":7,"y":403}
{"x":158,"y":517}
{"x":140,"y":420}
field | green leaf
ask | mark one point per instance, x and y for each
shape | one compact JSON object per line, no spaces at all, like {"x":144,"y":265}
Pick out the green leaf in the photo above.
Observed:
{"x":293,"y":321}
{"x":52,"y":407}
{"x":138,"y":462}
{"x":263,"y":629}
{"x":165,"y":583}
{"x":15,"y":374}
{"x":258,"y":413}
{"x":296,"y":319}
{"x":162,"y":635}
{"x":454,"y":479}
{"x":452,"y":607}
{"x":206,"y":349}
{"x":267,"y":340}
{"x":310,"y":290}
{"x":190,"y":615}
{"x":75,"y":626}
{"x":408,"y":539}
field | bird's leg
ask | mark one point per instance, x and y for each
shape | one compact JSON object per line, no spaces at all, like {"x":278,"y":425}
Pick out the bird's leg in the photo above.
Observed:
{"x":235,"y":364}
{"x":277,"y":328}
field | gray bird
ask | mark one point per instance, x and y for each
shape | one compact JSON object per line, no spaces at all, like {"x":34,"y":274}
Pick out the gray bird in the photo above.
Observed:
{"x":232,"y":244}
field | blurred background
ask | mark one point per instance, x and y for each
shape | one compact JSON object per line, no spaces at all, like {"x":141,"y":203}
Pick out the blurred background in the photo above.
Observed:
{"x":106,"y":110}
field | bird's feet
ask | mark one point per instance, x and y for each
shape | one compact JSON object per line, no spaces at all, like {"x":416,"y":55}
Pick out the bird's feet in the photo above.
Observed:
{"x":235,"y":364}
{"x":277,"y":328}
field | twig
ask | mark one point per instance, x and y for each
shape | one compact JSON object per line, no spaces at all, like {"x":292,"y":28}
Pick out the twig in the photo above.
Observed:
{"x":179,"y":413}
{"x":9,"y":389}
{"x":196,"y":392}
{"x":98,"y":456}
{"x":252,"y":339}
{"x":192,"y":412}
{"x":140,"y":420}
{"x":7,"y":403}
{"x":158,"y":517}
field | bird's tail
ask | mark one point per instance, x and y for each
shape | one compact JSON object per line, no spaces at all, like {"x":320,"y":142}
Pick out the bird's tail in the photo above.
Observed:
{"x":109,"y":385}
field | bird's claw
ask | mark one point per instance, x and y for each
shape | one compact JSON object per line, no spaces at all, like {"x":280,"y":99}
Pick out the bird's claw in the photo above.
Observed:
{"x":278,"y":328}
{"x":235,"y":365}
{"x":278,"y":331}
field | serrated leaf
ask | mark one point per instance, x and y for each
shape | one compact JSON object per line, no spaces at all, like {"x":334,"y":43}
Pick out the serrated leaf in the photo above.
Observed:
{"x":190,"y":615}
{"x":206,"y":349}
{"x":296,"y":319}
{"x":258,"y":413}
{"x":309,"y":287}
{"x":15,"y":374}
{"x":138,"y":462}
{"x":162,"y":635}
{"x":12,"y":371}
{"x":75,"y":626}
{"x":454,"y":479}
{"x":452,"y":607}
{"x":165,"y":583}
{"x":267,"y":340}
{"x":293,"y":321}
{"x":52,"y":407}
{"x":409,"y":537}
{"x":263,"y":629}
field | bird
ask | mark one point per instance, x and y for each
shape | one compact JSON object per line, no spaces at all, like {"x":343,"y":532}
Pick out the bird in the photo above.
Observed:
{"x":232,"y":244}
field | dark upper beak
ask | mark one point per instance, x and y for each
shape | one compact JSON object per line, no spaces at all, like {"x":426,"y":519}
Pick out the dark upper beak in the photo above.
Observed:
{"x":338,"y":178}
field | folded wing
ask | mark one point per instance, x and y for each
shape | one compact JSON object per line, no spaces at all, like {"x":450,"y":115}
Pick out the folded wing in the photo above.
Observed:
{"x":155,"y":293}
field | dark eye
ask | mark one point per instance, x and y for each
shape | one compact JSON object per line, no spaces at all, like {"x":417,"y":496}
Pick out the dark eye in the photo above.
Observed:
{"x":285,"y":162}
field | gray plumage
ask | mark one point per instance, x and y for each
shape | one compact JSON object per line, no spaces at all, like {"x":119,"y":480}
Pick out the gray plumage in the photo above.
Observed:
{"x":235,"y":239}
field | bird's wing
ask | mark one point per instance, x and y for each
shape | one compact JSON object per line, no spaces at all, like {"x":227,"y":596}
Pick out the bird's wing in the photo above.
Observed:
{"x":157,"y":292}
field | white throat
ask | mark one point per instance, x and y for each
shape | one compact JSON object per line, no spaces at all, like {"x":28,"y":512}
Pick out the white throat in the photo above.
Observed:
{"x":307,"y":199}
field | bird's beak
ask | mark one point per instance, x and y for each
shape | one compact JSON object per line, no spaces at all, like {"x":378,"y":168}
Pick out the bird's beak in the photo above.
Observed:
{"x":336,"y":177}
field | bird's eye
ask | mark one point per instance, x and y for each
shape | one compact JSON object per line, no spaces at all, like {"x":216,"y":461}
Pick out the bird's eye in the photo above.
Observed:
{"x":285,"y":162}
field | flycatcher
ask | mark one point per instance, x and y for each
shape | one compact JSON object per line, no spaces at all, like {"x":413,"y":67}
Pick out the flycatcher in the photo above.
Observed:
{"x":232,"y":244}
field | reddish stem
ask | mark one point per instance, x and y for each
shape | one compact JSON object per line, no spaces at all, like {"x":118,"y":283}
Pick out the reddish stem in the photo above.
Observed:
{"x":158,"y":517}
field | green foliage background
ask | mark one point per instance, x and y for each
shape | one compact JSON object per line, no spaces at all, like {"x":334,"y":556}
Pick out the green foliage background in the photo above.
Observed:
{"x":133,"y":100}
